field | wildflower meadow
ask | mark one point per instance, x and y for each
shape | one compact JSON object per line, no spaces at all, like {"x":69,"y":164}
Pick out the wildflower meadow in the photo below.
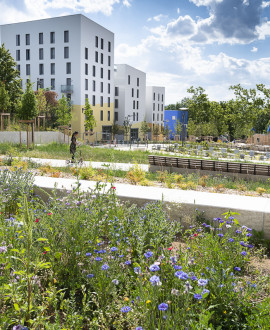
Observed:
{"x":80,"y":260}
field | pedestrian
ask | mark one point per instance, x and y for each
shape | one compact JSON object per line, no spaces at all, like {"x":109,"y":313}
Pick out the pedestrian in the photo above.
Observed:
{"x":73,"y":144}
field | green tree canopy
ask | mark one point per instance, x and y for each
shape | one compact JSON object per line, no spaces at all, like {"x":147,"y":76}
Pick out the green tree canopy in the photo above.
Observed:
{"x":41,"y":101}
{"x":90,"y":121}
{"x":4,"y":98}
{"x":10,"y":76}
{"x":28,"y":109}
{"x":63,"y":112}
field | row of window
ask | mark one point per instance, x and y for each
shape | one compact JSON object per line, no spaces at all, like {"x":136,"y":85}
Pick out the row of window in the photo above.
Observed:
{"x":154,"y":107}
{"x":129,"y":81}
{"x":135,"y":104}
{"x":99,"y":58}
{"x":41,"y":54}
{"x":41,"y":38}
{"x":101,"y":100}
{"x":161,"y":117}
{"x":40,"y":83}
{"x":101,"y":43}
{"x":154,"y":97}
{"x":41,"y":68}
{"x":94,"y":87}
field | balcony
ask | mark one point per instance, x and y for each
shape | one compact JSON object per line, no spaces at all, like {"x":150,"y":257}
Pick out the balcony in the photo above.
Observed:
{"x":67,"y":89}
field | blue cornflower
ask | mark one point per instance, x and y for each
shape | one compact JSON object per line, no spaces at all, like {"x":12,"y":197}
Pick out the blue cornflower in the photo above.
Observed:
{"x":177,"y":267}
{"x":98,"y":259}
{"x":163,"y":307}
{"x":121,"y":256}
{"x":148,"y":254}
{"x":220,"y":235}
{"x":90,"y":275}
{"x":244,"y":253}
{"x":173,"y":259}
{"x":251,"y":246}
{"x":205,"y":291}
{"x":231,"y":240}
{"x":128,"y":262}
{"x":253,"y":285}
{"x":88,"y":254}
{"x":154,"y":268}
{"x":139,"y":328}
{"x":249,"y":229}
{"x":181,"y":275}
{"x":221,"y":221}
{"x":194,"y":278}
{"x":137,"y":270}
{"x":102,"y":251}
{"x":114,"y":249}
{"x":248,"y":235}
{"x":197,"y":296}
{"x":155,"y":280}
{"x":105,"y":267}
{"x":242,"y":243}
{"x":238,"y":231}
{"x":125,"y":309}
{"x":202,"y":282}
{"x":237,"y":268}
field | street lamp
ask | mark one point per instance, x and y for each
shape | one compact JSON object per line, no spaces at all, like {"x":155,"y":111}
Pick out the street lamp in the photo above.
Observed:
{"x":165,"y":127}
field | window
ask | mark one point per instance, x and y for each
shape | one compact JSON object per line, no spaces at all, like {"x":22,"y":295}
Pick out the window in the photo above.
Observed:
{"x":134,"y":104}
{"x":68,"y":80}
{"x":94,"y":85}
{"x":93,"y":100}
{"x":41,"y":53}
{"x":154,"y":96}
{"x":137,"y":116}
{"x":85,"y":97}
{"x":96,"y":41}
{"x":109,"y":74}
{"x":137,"y":93}
{"x":109,"y":88}
{"x":101,"y":58}
{"x":86,"y":53}
{"x":52,"y":37}
{"x":86,"y":68}
{"x":109,"y":60}
{"x":158,"y":117}
{"x":41,"y":69}
{"x":132,"y":92}
{"x":27,"y":54}
{"x":52,"y":53}
{"x":18,"y":55}
{"x":101,"y":72}
{"x":52,"y":68}
{"x":93,"y":71}
{"x":66,"y":52}
{"x":41,"y":83}
{"x":101,"y":101}
{"x":18,"y":68}
{"x":161,"y":117}
{"x":133,"y":116}
{"x":109,"y":102}
{"x":18,"y":40}
{"x":86,"y":84}
{"x":102,"y":44}
{"x":27,"y":39}
{"x":101,"y":115}
{"x":109,"y":46}
{"x":116,"y":103}
{"x":68,"y":68}
{"x":153,"y":117}
{"x":138,"y":81}
{"x":101,"y":87}
{"x":66,"y":36}
{"x":129,"y":79}
{"x":158,"y":107}
{"x":154,"y":106}
{"x":96,"y":57}
{"x":162,"y":97}
{"x":137,"y":105}
{"x":116,"y":116}
{"x":109,"y":115}
{"x":161,"y":107}
{"x":116,"y":91}
{"x":158,"y":96}
{"x":28,"y":69}
{"x":52,"y":84}
{"x":40,"y":38}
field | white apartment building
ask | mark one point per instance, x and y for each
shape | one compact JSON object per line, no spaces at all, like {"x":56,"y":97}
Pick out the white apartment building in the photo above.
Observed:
{"x":129,"y":97}
{"x":71,"y":55}
{"x":155,"y":100}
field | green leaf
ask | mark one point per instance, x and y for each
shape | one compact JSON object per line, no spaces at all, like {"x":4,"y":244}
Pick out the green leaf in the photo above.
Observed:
{"x":42,"y":239}
{"x":16,"y":306}
{"x":47,"y":248}
{"x":15,"y":250}
{"x":58,"y":255}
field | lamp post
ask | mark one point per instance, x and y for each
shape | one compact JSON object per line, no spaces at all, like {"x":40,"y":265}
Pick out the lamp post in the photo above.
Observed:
{"x":164,"y":128}
{"x":183,"y":130}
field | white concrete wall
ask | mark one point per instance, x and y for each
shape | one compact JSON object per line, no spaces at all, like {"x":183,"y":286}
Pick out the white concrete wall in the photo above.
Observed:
{"x":40,"y":137}
{"x":155,"y":104}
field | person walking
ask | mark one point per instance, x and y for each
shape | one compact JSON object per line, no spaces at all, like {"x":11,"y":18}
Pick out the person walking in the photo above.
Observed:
{"x":73,"y":144}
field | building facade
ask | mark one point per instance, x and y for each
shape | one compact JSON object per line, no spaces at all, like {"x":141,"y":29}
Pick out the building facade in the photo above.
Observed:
{"x":70,"y":55}
{"x":176,"y":122}
{"x":155,"y":101}
{"x":129,"y":97}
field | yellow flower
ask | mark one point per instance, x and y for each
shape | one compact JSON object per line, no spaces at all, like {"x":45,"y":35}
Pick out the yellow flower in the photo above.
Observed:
{"x":126,"y":299}
{"x":225,"y":312}
{"x":148,"y":301}
{"x":187,"y":309}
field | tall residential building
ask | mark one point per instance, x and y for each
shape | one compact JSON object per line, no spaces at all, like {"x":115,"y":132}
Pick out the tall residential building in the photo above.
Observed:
{"x":155,"y":100}
{"x":71,"y":55}
{"x":129,"y":97}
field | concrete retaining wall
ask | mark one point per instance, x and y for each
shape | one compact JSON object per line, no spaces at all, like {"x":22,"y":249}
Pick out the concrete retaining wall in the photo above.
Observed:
{"x":40,"y":137}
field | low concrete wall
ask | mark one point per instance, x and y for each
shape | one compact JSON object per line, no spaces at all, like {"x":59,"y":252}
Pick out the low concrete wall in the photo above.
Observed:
{"x":40,"y":137}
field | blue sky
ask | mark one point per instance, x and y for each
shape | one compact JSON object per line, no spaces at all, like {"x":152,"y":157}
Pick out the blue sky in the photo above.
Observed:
{"x":178,"y":43}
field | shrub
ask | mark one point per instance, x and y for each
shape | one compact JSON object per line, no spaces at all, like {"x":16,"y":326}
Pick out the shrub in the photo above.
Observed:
{"x":136,"y":174}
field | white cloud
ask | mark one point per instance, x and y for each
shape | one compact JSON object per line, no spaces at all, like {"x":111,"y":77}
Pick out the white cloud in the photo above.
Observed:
{"x":178,"y":11}
{"x":126,"y":3}
{"x":157,"y":18}
{"x":254,"y":50}
{"x":265,"y":4}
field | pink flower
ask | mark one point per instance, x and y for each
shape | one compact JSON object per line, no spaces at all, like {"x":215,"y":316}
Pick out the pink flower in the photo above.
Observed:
{"x":49,"y":213}
{"x":37,"y":220}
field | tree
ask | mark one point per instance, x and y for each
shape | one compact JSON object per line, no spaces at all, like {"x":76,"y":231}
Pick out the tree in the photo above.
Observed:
{"x":198,"y":105}
{"x":28,"y":109}
{"x":115,"y":129}
{"x":4,"y":98}
{"x":41,"y":101}
{"x":144,"y":128}
{"x":63,"y":112}
{"x":182,"y":104}
{"x":155,"y":131}
{"x":10,"y":76}
{"x":90,"y":121}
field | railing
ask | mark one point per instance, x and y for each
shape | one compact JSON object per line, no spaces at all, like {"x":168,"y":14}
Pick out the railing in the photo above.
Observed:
{"x":210,"y":165}
{"x":68,"y":89}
